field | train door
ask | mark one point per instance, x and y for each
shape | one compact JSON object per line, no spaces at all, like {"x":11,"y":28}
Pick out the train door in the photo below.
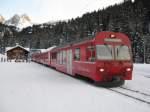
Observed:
{"x":49,"y":58}
{"x":69,"y":61}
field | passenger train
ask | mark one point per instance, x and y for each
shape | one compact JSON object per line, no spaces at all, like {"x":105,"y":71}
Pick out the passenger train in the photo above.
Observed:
{"x":106,"y":59}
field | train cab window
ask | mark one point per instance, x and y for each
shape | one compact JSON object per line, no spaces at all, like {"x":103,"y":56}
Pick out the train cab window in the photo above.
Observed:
{"x":104,"y":52}
{"x":90,"y":53}
{"x":122,"y":52}
{"x":77,"y":54}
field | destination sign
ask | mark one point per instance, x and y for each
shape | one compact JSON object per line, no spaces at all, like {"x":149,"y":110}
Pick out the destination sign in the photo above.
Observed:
{"x":112,"y":40}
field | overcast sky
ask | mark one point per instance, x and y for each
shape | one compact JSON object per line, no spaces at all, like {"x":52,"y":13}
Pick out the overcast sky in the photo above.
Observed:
{"x":51,"y":10}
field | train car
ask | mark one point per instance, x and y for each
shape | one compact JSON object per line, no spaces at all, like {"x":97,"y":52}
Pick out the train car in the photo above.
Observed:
{"x":36,"y":57}
{"x":106,"y":59}
{"x":43,"y":57}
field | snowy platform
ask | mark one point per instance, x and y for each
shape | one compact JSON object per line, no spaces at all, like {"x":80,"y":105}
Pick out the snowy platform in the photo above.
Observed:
{"x":30,"y":87}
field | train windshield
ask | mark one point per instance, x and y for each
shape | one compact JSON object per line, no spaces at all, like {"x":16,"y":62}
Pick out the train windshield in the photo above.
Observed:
{"x":104,"y":52}
{"x":122,"y":52}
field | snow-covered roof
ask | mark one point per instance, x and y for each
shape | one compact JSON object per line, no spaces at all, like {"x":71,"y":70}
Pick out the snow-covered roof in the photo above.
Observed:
{"x":48,"y":49}
{"x":10,"y":48}
{"x":43,"y":50}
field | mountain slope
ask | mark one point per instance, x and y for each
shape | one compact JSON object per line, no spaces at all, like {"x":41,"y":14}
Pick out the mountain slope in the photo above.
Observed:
{"x":2,"y":19}
{"x":20,"y":22}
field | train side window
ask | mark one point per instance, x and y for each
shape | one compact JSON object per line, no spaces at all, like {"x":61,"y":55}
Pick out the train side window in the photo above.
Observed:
{"x":53,"y":55}
{"x":64,"y":57}
{"x":90,"y":53}
{"x":58,"y":57}
{"x":77,"y":54}
{"x":61,"y":58}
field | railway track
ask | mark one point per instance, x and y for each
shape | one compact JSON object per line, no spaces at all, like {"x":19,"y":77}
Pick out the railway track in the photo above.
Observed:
{"x":147,"y":76}
{"x":136,"y":91}
{"x":134,"y":94}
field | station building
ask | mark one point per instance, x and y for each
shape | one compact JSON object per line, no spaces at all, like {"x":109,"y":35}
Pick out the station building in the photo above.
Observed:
{"x":17,"y":52}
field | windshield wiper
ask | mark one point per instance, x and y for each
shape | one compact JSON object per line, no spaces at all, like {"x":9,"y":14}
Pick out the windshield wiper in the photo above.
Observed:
{"x":108,"y":48}
{"x":118,"y":49}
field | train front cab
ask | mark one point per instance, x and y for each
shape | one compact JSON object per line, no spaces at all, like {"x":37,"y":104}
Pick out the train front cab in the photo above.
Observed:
{"x":113,"y":58}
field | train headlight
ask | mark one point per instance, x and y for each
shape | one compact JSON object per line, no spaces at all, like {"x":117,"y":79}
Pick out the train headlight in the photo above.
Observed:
{"x":101,"y":69}
{"x":112,"y":36}
{"x":128,"y":69}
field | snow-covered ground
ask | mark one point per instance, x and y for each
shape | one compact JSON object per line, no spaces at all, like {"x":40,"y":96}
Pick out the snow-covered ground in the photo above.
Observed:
{"x":30,"y":87}
{"x":141,"y":78}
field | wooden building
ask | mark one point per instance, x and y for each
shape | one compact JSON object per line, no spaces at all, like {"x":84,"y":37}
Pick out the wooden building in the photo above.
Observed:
{"x":17,"y":52}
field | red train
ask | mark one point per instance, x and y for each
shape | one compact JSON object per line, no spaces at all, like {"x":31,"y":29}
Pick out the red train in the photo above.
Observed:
{"x":106,"y":59}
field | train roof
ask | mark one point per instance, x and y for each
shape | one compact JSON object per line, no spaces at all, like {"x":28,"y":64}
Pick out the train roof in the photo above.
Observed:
{"x":48,"y":49}
{"x":94,"y":37}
